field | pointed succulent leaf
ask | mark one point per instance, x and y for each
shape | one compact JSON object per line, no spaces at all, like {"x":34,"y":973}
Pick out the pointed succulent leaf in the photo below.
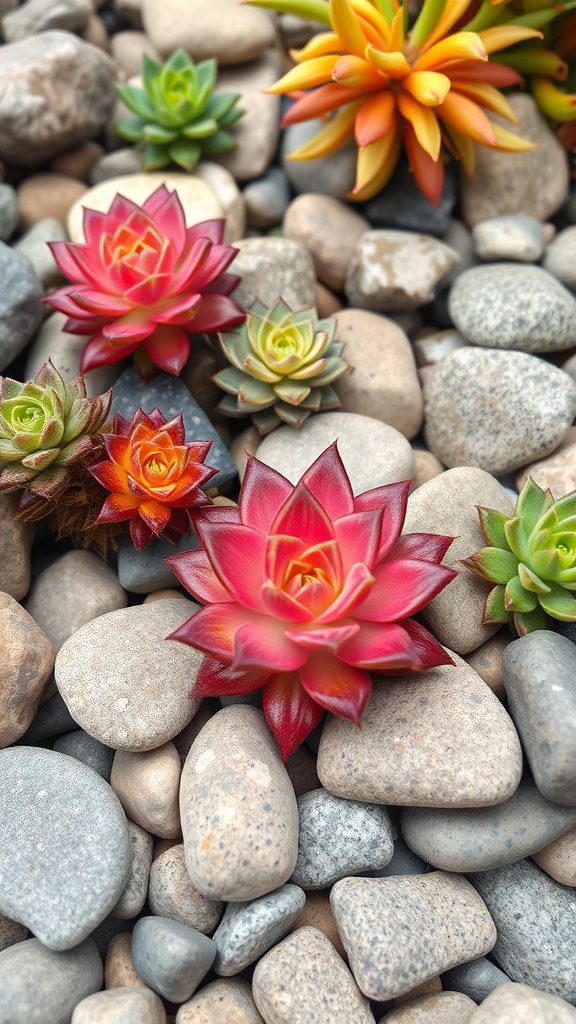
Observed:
{"x":157,"y":133}
{"x":50,"y":482}
{"x":185,"y":153}
{"x":220,"y":104}
{"x":313,"y":401}
{"x":136,"y":101}
{"x":131,"y":128}
{"x":494,"y":609}
{"x":530,"y":581}
{"x":256,"y":368}
{"x":532,"y":503}
{"x":236,"y":346}
{"x":155,"y":156}
{"x":493,"y":564}
{"x":74,"y":451}
{"x":545,"y":564}
{"x":266,"y":420}
{"x":256,"y":392}
{"x":228,"y":405}
{"x":516,"y":599}
{"x":234,"y":115}
{"x":328,"y":398}
{"x":529,"y":622}
{"x":335,"y":368}
{"x":295,"y":415}
{"x":291,"y":391}
{"x":230,"y":379}
{"x":40,"y":460}
{"x":219,"y":142}
{"x":200,"y":129}
{"x":207,"y":71}
{"x":559,"y":603}
{"x":179,"y":60}
{"x":493,"y":526}
{"x":52,"y":431}
{"x":151,"y":69}
{"x":16,"y":476}
{"x":517,"y":538}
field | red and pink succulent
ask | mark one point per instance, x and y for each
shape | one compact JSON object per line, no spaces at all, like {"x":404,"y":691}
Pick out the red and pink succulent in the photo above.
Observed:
{"x":306,"y":590}
{"x":143,"y":282}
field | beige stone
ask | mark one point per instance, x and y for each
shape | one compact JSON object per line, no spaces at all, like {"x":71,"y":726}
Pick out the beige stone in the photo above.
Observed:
{"x":302,"y":980}
{"x":184,"y":740}
{"x":439,"y":739}
{"x":27,"y":661}
{"x":147,"y":786}
{"x":256,"y":133}
{"x":486,"y":660}
{"x":430,"y":987}
{"x":317,"y":913}
{"x":270,"y":267}
{"x":557,"y":471}
{"x":245,"y":443}
{"x":120,"y":1006}
{"x":161,"y":595}
{"x":96,"y":33}
{"x":329,"y":229}
{"x":442,"y":1008}
{"x":78,"y":162}
{"x":426,"y":467}
{"x":224,"y":186}
{"x":396,"y":270}
{"x":383,"y":383}
{"x":16,"y":538}
{"x":234,"y":791}
{"x":119,"y":970}
{"x":220,"y":29}
{"x":226,"y":1001}
{"x":128,"y":48}
{"x":47,"y":195}
{"x":522,"y":1004}
{"x":447,"y":505}
{"x":558,"y":859}
{"x":11,"y":932}
{"x":171,"y":893}
{"x":326,"y":302}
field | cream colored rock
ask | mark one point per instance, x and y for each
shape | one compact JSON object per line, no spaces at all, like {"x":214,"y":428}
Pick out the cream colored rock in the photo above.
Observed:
{"x":384,"y":382}
{"x":302,"y":980}
{"x":522,"y":1004}
{"x":245,"y":443}
{"x":329,"y":229}
{"x":171,"y":893}
{"x":486,"y":660}
{"x":317,"y":913}
{"x":147,"y":784}
{"x":27,"y":661}
{"x":161,"y":595}
{"x":558,"y":859}
{"x":256,"y":133}
{"x":443,"y":1008}
{"x":16,"y":538}
{"x":134,"y":896}
{"x":127,"y":49}
{"x":224,"y":186}
{"x":220,"y":29}
{"x":120,"y":1006}
{"x":557,"y":471}
{"x":226,"y":1001}
{"x":270,"y":267}
{"x":119,"y":970}
{"x":397,"y":270}
{"x":197,"y":198}
{"x":447,"y":505}
{"x":439,"y":739}
{"x":48,"y":195}
{"x":427,"y":988}
{"x":238,"y":809}
{"x":426,"y":467}
{"x":65,"y":350}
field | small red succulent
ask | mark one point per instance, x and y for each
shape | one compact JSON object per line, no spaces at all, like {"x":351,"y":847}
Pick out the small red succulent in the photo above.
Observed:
{"x":306,"y":590}
{"x":143,"y":281}
{"x":154,"y":476}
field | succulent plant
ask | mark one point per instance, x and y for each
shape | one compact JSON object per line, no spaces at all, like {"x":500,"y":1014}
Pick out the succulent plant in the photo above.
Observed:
{"x":177,"y":115}
{"x":283,"y":364}
{"x":46,"y":427}
{"x":531,"y":558}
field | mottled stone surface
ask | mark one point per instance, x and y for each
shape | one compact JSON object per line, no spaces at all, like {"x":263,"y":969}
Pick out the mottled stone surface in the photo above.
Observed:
{"x":512,"y":237}
{"x":121,"y":1006}
{"x":238,"y":809}
{"x":85,"y":748}
{"x":134,"y":896}
{"x":441,"y":739}
{"x":534,"y":917}
{"x":39,"y":985}
{"x":256,"y":133}
{"x":64,"y":848}
{"x":329,"y":229}
{"x":556,"y":472}
{"x":11,"y":932}
{"x":20,"y":307}
{"x":119,"y":971}
{"x":476,"y":415}
{"x":486,"y":660}
{"x":270,"y":267}
{"x":248,"y":930}
{"x":560,"y":257}
{"x":146,"y":571}
{"x":523,"y":1004}
{"x":42,"y":15}
{"x":171,"y":958}
{"x":396,"y":270}
{"x":403,"y":205}
{"x":304,"y":981}
{"x":443,"y":1008}
{"x":317,"y":913}
{"x":171,"y":893}
{"x":147,"y":785}
{"x":540,"y":679}
{"x":15,"y":541}
{"x":123,"y":683}
{"x":27,"y":661}
{"x":228,"y":999}
{"x":400,"y":931}
{"x":477,"y":978}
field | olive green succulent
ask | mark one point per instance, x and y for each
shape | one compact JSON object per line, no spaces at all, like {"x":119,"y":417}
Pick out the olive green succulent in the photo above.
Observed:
{"x":46,"y":427}
{"x":531,"y":558}
{"x":177,"y":117}
{"x":283,"y":364}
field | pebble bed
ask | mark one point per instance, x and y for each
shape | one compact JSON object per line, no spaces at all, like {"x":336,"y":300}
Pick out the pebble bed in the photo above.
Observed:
{"x":158,"y":862}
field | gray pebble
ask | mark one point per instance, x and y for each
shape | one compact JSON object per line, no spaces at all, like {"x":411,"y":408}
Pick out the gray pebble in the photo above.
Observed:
{"x":534,"y":916}
{"x":514,"y":237}
{"x":33,"y":245}
{"x":121,"y":1005}
{"x":560,"y":258}
{"x":127,"y":160}
{"x":396,"y":270}
{"x":482,"y":838}
{"x":338,"y":838}
{"x":52,"y":719}
{"x":270,"y":267}
{"x":332,"y":175}
{"x":8,"y":212}
{"x":402,"y":205}
{"x":404,"y":862}
{"x":41,"y":15}
{"x":21,"y":311}
{"x":64,"y":847}
{"x":539,"y":672}
{"x":247,"y":930}
{"x":475,"y":414}
{"x":505,"y":305}
{"x":171,"y":958}
{"x":106,"y":931}
{"x":38,"y":985}
{"x":134,"y":896}
{"x":267,"y":199}
{"x":86,"y":748}
{"x":143,"y":572}
{"x":477,"y":979}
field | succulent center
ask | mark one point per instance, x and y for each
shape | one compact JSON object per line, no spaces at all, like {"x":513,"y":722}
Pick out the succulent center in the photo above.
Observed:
{"x":157,"y":466}
{"x":28,"y":418}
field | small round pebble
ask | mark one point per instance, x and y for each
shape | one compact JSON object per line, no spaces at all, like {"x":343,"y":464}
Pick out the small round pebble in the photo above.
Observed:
{"x":270,"y":267}
{"x":147,"y":785}
{"x":171,"y":958}
{"x":38,"y":985}
{"x":317,"y":913}
{"x":248,"y":930}
{"x":171,"y":893}
{"x":560,"y":258}
{"x":8,"y":212}
{"x":522,"y":1004}
{"x":444,"y":1008}
{"x":85,"y":748}
{"x":120,"y":1006}
{"x":226,"y":1001}
{"x":329,"y":229}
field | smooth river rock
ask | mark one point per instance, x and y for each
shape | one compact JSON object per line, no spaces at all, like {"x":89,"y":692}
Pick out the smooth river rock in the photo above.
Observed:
{"x":248,"y":930}
{"x":27,"y":661}
{"x":522,"y":1004}
{"x":38,"y":985}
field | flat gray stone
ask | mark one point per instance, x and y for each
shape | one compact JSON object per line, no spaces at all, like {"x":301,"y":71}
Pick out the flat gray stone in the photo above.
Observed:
{"x":482,"y":838}
{"x":248,"y":930}
{"x":402,"y":205}
{"x":85,"y":748}
{"x":64,"y":848}
{"x":8,"y":212}
{"x":504,"y":305}
{"x":267,"y":199}
{"x":523,"y":1004}
{"x":21,"y":311}
{"x":476,"y":414}
{"x":143,"y":572}
{"x":171,"y":958}
{"x":41,"y":15}
{"x":33,"y":245}
{"x":332,"y":175}
{"x":539,"y":672}
{"x":534,"y":916}
{"x":477,"y":979}
{"x":38,"y":985}
{"x":338,"y":838}
{"x":52,"y":719}
{"x":399,"y":932}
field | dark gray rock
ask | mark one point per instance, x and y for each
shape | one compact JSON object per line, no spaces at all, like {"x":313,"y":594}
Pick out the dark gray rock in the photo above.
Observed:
{"x":142,"y":572}
{"x":248,"y":930}
{"x":539,"y":673}
{"x":534,"y":916}
{"x":86,"y":748}
{"x":172,"y":397}
{"x":21,"y":311}
{"x":482,"y":838}
{"x":8,"y":211}
{"x":38,"y":985}
{"x":52,"y":719}
{"x":402,"y":205}
{"x":477,"y":979}
{"x":170,"y":957}
{"x":106,"y":930}
{"x":404,"y":862}
{"x":339,"y":837}
{"x":64,"y":847}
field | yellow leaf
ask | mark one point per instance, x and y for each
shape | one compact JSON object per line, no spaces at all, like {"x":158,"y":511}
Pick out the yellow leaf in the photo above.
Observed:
{"x":319,"y":46}
{"x":306,"y":76}
{"x":424,"y":123}
{"x":501,"y":36}
{"x":467,"y":117}
{"x":428,"y":87}
{"x":461,"y":46}
{"x":347,"y":26}
{"x":338,"y":130}
{"x":509,"y":142}
{"x":394,"y":65}
{"x":375,"y":166}
{"x":486,"y":96}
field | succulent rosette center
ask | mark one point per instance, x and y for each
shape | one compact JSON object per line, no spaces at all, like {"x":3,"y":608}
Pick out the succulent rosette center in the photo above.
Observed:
{"x":307,"y":589}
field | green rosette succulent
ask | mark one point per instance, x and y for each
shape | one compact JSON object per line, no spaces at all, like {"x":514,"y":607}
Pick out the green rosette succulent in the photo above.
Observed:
{"x":531,"y":559}
{"x":176,"y":115}
{"x":282,"y":366}
{"x":46,"y":427}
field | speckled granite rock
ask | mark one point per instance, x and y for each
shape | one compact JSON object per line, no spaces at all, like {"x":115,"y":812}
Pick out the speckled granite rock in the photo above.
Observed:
{"x":228,"y":999}
{"x":396,"y":270}
{"x":523,"y":1004}
{"x":248,"y":930}
{"x":270,"y":267}
{"x":559,"y":858}
{"x":443,"y":1008}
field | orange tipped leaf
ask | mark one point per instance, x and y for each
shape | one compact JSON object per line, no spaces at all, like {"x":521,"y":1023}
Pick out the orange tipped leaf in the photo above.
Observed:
{"x":424,"y":123}
{"x":427,"y":87}
{"x":376,"y":118}
{"x":467,"y":117}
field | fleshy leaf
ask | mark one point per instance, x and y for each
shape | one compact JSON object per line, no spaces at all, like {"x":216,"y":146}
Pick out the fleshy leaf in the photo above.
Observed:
{"x":493,"y":526}
{"x":517,"y":599}
{"x":493,"y":564}
{"x":494,"y":609}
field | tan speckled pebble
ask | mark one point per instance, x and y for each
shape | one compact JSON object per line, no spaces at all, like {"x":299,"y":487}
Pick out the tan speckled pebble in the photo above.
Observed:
{"x":302,"y":980}
{"x":161,"y":595}
{"x":401,"y":930}
{"x":171,"y":893}
{"x":317,"y":913}
{"x":486,"y":660}
{"x":558,"y":859}
{"x":522,"y":1004}
{"x":440,"y":739}
{"x":27,"y":660}
{"x":226,"y":1001}
{"x":147,"y":786}
{"x":238,"y":809}
{"x":119,"y":970}
{"x":442,"y":1008}
{"x":121,"y":1006}
{"x":428,"y":988}
{"x":426,"y":467}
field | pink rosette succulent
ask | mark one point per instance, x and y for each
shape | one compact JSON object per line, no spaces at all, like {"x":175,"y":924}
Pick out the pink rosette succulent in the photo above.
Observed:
{"x":143,"y":281}
{"x":307,"y":589}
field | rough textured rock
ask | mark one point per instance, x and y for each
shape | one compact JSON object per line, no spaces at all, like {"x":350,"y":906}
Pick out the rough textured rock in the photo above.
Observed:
{"x":134,"y":896}
{"x":21,"y":311}
{"x":477,"y":978}
{"x":512,"y":237}
{"x":270,"y":267}
{"x":85,"y":748}
{"x":560,"y":257}
{"x":396,"y":270}
{"x":15,"y":541}
{"x":228,"y":999}
{"x":27,"y":660}
{"x":443,"y":1008}
{"x":248,"y":930}
{"x":329,"y":229}
{"x":39,"y":985}
{"x":171,"y":893}
{"x":221,"y":29}
{"x":559,"y":858}
{"x":11,"y":932}
{"x":42,"y":15}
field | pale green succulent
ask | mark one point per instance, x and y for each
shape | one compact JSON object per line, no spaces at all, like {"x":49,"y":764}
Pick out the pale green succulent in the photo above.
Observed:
{"x":176,"y":115}
{"x":46,"y":426}
{"x":283,"y":364}
{"x":531,"y":559}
